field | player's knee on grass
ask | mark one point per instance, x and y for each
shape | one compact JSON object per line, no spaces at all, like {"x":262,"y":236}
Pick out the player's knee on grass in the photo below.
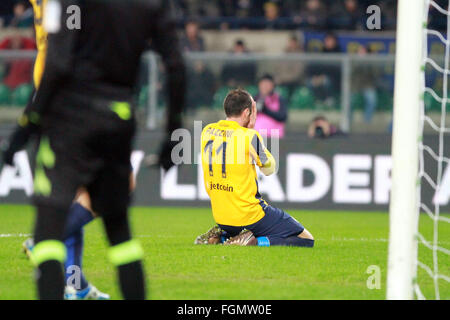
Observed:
{"x":297,"y":241}
{"x":305,"y":234}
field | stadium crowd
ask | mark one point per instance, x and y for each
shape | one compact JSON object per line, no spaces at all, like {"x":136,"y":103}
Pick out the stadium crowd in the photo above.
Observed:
{"x":251,"y":14}
{"x":309,"y":26}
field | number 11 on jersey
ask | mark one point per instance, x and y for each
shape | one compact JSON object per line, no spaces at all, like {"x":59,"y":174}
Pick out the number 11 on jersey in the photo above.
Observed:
{"x":222,"y":148}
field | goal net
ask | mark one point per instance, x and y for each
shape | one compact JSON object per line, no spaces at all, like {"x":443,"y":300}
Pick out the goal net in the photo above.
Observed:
{"x":419,"y":254}
{"x":433,"y":255}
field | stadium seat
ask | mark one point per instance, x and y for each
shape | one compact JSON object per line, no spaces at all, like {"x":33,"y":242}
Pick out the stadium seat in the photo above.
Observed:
{"x":253,"y":90}
{"x":432,"y":105}
{"x":5,"y":95}
{"x":384,"y":100}
{"x":283,"y":92}
{"x":357,"y":101}
{"x":21,"y":95}
{"x":219,"y":96}
{"x":428,"y":101}
{"x":302,"y":98}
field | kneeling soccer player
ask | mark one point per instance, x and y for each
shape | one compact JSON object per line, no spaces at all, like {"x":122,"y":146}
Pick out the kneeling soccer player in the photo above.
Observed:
{"x":230,"y":150}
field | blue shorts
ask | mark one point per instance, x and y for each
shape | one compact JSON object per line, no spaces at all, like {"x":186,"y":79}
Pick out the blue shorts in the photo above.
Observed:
{"x":275,"y":224}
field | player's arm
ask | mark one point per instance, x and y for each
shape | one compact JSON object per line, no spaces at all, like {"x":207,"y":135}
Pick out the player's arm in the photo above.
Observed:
{"x":165,"y":42}
{"x":58,"y":66}
{"x":262,"y":157}
{"x":59,"y":59}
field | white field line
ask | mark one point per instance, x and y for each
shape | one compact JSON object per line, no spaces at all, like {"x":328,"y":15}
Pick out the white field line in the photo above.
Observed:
{"x":25,"y":235}
{"x":367,"y":240}
{"x":356,"y":239}
{"x":15,"y":235}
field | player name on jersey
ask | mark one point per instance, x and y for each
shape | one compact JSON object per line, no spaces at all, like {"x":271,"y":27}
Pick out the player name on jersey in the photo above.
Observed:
{"x":219,"y":132}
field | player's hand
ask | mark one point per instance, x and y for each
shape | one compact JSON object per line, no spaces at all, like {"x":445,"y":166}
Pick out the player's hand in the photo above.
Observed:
{"x":252,"y":122}
{"x":165,"y":154}
{"x":17,"y":141}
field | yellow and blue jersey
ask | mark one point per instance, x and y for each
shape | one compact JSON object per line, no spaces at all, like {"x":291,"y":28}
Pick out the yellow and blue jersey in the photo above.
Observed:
{"x":41,"y":40}
{"x":229,"y":155}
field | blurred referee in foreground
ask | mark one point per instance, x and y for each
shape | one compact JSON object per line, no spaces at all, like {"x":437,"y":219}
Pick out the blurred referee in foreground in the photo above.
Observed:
{"x":84,"y":116}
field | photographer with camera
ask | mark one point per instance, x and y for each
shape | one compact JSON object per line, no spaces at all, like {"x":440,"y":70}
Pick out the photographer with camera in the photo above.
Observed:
{"x":321,"y":128}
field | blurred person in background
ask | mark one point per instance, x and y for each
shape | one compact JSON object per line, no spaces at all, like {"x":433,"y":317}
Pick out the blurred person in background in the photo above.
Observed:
{"x":345,"y":15}
{"x":324,"y":79}
{"x":331,"y":43}
{"x":364,"y":81}
{"x":18,"y":71}
{"x":22,"y":15}
{"x":201,"y":86}
{"x":293,"y":45}
{"x":192,"y":41}
{"x":239,"y":73}
{"x":241,"y":8}
{"x":389,"y":14}
{"x":286,"y":73}
{"x":312,"y":15}
{"x":271,"y":16}
{"x":272,"y":109}
{"x":321,"y":128}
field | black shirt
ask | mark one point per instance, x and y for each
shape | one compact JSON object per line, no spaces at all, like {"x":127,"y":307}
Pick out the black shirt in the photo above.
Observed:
{"x":103,"y":56}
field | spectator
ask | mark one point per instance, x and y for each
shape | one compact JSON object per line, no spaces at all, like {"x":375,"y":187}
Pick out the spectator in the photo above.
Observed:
{"x":293,"y":45}
{"x":272,"y":109}
{"x":388,"y":14}
{"x":364,"y":80}
{"x":237,"y":72}
{"x":287,"y":73}
{"x":331,"y":44}
{"x":346,"y":16}
{"x":201,"y":86}
{"x":241,"y":8}
{"x":23,"y":16}
{"x":239,"y":47}
{"x":313,"y":15}
{"x":324,"y":78}
{"x":18,"y":71}
{"x":271,"y":16}
{"x":227,"y":8}
{"x":321,"y":128}
{"x":192,"y":40}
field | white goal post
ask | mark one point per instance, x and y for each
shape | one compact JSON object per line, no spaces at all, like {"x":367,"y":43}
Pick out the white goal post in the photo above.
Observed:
{"x":403,"y":211}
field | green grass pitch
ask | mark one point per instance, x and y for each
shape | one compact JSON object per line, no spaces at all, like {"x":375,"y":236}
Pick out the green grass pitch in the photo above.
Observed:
{"x":347,"y":243}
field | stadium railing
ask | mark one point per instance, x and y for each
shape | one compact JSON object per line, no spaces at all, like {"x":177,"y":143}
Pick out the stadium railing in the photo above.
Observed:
{"x":349,"y":89}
